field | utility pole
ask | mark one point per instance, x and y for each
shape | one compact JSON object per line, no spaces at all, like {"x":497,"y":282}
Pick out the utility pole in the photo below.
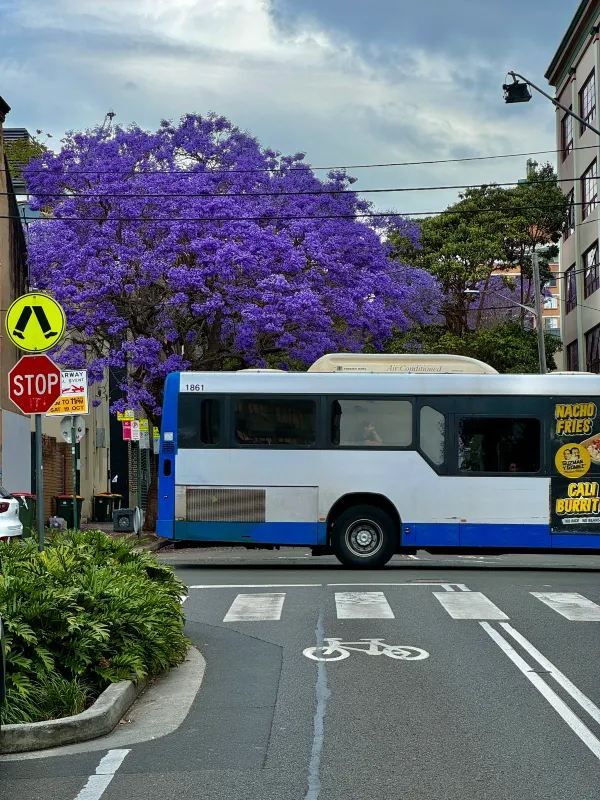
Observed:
{"x":535,"y":265}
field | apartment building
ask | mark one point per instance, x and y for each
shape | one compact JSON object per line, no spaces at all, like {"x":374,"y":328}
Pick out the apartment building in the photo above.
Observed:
{"x":575,"y":75}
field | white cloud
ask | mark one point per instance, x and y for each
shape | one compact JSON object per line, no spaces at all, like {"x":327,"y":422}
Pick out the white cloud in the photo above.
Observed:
{"x":300,"y":89}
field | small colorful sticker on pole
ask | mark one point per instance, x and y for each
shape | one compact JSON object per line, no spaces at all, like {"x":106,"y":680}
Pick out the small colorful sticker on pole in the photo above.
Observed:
{"x":35,"y":322}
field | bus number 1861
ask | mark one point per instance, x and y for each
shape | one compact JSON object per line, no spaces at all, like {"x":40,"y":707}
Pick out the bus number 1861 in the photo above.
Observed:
{"x":194,"y":387}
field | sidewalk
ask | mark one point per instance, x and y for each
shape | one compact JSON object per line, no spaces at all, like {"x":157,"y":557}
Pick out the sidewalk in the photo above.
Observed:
{"x":145,"y":541}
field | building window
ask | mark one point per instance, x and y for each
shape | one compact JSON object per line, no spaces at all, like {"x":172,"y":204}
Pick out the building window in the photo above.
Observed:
{"x":432,"y":434}
{"x":572,"y":357}
{"x":589,"y":189}
{"x":570,"y":221}
{"x":590,"y":266}
{"x":566,"y":135}
{"x":551,"y":302}
{"x":592,"y":349}
{"x":371,"y":423}
{"x":275,"y":421}
{"x":488,"y":444}
{"x":587,"y":100}
{"x":552,"y":325}
{"x":570,"y":289}
{"x":199,"y":422}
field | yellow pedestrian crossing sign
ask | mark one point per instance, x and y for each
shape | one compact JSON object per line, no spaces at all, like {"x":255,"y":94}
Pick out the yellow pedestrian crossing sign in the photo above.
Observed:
{"x":35,"y":322}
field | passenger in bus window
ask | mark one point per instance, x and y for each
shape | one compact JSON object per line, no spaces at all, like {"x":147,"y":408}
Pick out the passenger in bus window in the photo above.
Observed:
{"x":370,"y":435}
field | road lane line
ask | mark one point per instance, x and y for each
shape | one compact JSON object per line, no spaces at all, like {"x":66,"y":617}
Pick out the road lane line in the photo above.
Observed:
{"x":253,"y":585}
{"x":448,"y":587}
{"x":409,"y":583}
{"x":469,"y":605}
{"x":362,"y":605}
{"x":105,"y":772}
{"x":571,"y":605}
{"x":577,"y":726}
{"x":322,"y":694}
{"x":569,"y":687}
{"x":256,"y":607}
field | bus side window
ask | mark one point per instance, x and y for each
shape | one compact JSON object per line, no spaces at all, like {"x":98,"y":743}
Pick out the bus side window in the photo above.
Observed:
{"x":432,"y":434}
{"x":493,"y":444}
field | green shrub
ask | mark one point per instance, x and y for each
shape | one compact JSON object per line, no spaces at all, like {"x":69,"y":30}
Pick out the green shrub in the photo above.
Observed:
{"x":86,"y":612}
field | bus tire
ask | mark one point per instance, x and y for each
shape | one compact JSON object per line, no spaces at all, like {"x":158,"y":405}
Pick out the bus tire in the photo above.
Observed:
{"x":364,"y":536}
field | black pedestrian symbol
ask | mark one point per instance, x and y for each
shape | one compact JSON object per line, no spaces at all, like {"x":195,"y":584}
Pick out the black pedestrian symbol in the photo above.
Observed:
{"x":42,"y":319}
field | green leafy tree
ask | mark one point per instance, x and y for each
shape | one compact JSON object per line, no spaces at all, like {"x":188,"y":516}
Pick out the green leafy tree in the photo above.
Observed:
{"x":19,"y":152}
{"x":487,"y":228}
{"x":507,"y":346}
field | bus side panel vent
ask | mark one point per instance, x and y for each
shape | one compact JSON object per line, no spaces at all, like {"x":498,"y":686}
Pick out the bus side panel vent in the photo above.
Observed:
{"x":225,"y":505}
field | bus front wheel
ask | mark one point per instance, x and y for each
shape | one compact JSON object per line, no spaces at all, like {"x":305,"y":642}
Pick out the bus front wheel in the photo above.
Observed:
{"x":364,"y":536}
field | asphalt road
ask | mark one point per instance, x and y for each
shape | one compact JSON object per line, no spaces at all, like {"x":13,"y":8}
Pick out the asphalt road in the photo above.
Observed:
{"x":502,"y":702}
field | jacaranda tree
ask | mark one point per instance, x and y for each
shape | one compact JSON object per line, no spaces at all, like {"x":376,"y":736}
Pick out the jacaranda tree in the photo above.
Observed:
{"x":194,"y":248}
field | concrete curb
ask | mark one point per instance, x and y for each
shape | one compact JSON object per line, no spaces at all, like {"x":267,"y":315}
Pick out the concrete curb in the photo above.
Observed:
{"x":95,"y":721}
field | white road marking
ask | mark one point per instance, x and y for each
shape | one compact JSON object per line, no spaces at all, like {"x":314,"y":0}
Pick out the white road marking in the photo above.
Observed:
{"x":254,"y":585}
{"x":577,"y":726}
{"x":256,"y":607}
{"x":569,"y":687}
{"x":183,"y":598}
{"x":411,"y":583}
{"x":571,"y":605}
{"x":362,"y":605}
{"x":413,"y":558}
{"x":105,"y":772}
{"x":448,"y":587}
{"x":469,"y":605}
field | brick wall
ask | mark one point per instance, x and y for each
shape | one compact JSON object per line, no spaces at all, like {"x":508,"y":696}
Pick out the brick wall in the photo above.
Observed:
{"x":58,"y":471}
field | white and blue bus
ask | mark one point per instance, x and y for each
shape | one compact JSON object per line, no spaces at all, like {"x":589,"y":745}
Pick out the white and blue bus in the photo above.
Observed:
{"x":366,"y":464}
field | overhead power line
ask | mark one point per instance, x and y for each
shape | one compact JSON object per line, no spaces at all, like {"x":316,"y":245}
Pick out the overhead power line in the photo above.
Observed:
{"x":300,"y":193}
{"x":332,"y":168}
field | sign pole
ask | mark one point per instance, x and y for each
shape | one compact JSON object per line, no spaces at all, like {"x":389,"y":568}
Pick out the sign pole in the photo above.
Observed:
{"x":39,"y":481}
{"x":74,"y":459}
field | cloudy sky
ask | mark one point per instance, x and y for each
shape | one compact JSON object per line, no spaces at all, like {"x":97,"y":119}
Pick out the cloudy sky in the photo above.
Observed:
{"x":345,"y":81}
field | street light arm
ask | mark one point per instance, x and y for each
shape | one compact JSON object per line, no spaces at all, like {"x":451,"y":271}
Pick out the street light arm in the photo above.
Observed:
{"x":508,"y":299}
{"x":555,"y":102}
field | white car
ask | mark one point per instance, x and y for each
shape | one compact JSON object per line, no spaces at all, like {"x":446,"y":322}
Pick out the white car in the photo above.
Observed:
{"x":10,"y":524}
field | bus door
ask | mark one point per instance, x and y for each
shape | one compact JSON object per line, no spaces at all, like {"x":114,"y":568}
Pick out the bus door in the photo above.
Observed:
{"x":501,"y":455}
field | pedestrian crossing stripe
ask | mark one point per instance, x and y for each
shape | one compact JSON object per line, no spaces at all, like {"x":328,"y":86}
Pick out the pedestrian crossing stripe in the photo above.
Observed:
{"x":35,"y":322}
{"x":466,"y":605}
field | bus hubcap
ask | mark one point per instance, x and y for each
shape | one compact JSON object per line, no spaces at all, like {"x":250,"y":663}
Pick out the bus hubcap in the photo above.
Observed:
{"x":364,"y":537}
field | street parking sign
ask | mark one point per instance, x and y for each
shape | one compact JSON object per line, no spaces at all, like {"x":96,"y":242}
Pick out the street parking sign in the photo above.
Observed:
{"x":34,"y":384}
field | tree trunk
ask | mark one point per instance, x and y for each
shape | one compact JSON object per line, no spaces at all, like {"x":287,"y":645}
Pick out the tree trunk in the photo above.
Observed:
{"x":152,"y":502}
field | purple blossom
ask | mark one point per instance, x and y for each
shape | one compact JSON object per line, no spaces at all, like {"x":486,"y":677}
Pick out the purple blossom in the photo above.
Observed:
{"x":192,"y":247}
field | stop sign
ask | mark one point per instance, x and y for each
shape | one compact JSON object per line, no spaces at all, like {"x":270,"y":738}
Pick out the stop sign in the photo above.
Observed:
{"x":34,"y":384}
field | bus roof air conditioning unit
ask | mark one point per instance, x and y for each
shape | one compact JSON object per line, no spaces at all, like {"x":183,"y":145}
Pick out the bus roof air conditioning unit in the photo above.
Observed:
{"x":401,"y":363}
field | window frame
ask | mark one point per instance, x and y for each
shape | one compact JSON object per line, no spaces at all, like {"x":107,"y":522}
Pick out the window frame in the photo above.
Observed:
{"x":566,"y":135}
{"x":591,"y":274}
{"x":587,"y":97}
{"x":569,"y":227}
{"x":570,"y":283}
{"x":572,"y":348}
{"x":443,"y":406}
{"x":235,"y":445}
{"x":593,"y":332}
{"x":329,"y":399}
{"x":590,"y":176}
{"x":201,"y":396}
{"x":540,"y":472}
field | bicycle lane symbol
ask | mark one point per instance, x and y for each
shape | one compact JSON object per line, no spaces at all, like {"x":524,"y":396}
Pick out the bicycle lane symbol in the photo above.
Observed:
{"x":335,"y":649}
